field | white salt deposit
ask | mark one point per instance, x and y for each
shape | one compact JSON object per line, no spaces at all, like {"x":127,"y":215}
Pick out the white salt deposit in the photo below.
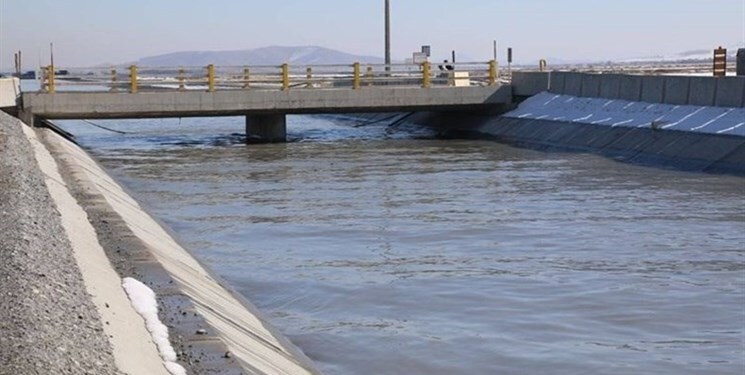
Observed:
{"x":144,"y":302}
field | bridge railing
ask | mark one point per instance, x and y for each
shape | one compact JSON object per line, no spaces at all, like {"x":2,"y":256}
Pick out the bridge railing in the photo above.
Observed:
{"x":211,"y":78}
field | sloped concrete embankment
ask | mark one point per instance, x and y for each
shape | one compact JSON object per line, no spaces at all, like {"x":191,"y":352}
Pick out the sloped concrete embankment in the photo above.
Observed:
{"x":111,"y":237}
{"x":49,"y":323}
{"x":687,"y":123}
{"x":213,"y":329}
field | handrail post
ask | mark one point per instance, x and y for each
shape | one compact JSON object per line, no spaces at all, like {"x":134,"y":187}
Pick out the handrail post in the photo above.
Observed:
{"x":493,"y":72}
{"x":356,"y":80}
{"x":50,"y":79}
{"x":113,"y":80}
{"x":246,"y":77}
{"x":133,"y":79}
{"x":285,"y":77}
{"x":181,"y":77}
{"x":211,"y":78}
{"x":308,"y":77}
{"x":426,"y":79}
{"x":369,"y":75}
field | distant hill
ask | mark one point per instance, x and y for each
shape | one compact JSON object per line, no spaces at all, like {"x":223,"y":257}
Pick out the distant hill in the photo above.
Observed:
{"x":305,"y":55}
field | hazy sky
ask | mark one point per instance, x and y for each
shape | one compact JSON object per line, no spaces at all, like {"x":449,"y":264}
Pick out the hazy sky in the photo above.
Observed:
{"x":91,"y":32}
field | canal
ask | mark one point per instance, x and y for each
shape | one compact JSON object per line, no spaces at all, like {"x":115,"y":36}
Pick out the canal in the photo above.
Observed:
{"x":384,"y":250}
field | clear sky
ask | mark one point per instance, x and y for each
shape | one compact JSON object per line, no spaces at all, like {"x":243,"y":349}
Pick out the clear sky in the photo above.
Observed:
{"x":91,"y":32}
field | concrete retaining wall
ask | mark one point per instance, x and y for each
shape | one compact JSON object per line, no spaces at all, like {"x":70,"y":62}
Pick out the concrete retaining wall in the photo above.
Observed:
{"x":677,"y":90}
{"x":696,"y":152}
{"x":680,"y":150}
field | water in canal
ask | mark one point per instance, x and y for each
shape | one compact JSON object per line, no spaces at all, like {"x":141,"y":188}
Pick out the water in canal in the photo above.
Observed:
{"x":383,"y":250}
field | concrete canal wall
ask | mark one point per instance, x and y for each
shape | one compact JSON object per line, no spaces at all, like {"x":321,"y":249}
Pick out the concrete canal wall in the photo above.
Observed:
{"x":688,"y":123}
{"x":102,"y":238}
{"x":676,"y":90}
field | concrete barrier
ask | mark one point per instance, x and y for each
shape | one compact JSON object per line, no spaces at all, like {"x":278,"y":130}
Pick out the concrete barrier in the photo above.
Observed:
{"x":677,"y":90}
{"x":610,"y":86}
{"x":653,"y":89}
{"x":558,"y":79}
{"x":631,"y":88}
{"x":702,"y":91}
{"x":528,"y":84}
{"x":573,"y":84}
{"x":10,"y":90}
{"x":730,"y":92}
{"x":591,"y":85}
{"x":679,"y":150}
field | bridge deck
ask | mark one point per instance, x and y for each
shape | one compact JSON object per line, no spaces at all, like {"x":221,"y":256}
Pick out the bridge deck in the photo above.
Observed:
{"x":91,"y":105}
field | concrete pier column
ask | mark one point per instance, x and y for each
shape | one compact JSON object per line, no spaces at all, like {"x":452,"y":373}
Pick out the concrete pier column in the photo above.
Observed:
{"x":266,"y":128}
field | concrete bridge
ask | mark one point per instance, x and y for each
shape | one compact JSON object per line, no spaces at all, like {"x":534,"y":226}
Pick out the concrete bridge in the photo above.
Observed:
{"x":264,"y":94}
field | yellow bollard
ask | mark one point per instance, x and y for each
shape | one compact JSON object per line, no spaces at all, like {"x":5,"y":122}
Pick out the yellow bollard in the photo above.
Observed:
{"x":211,"y":78}
{"x":308,"y":77}
{"x":246,"y":76}
{"x":133,"y":79}
{"x":426,"y":79}
{"x":181,"y":77}
{"x":542,"y":65}
{"x":356,"y":79}
{"x":369,"y":75}
{"x":493,"y":72}
{"x":113,"y":80}
{"x":50,"y":79}
{"x":285,"y":77}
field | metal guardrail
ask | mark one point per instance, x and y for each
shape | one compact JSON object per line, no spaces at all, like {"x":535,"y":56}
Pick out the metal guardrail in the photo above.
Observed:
{"x":283,"y":77}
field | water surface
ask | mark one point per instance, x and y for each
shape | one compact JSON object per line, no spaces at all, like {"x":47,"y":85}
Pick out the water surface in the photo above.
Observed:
{"x":381,"y":250}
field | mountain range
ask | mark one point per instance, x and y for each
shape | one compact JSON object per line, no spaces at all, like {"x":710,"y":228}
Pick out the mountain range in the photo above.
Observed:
{"x":303,"y":55}
{"x":316,"y":55}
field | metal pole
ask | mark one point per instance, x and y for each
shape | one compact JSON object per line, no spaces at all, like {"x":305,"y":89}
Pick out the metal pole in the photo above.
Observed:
{"x":426,"y":69}
{"x":387,"y":35}
{"x":493,"y":72}
{"x":211,"y":78}
{"x":356,"y":79}
{"x":285,"y":77}
{"x":133,"y":79}
{"x":495,"y":50}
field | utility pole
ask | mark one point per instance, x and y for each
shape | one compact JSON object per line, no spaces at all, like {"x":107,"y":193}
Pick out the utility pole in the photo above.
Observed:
{"x":387,"y":34}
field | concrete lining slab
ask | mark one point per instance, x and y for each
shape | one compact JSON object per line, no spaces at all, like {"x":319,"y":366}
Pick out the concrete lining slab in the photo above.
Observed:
{"x":527,"y":84}
{"x":558,"y":79}
{"x":573,"y":84}
{"x":631,"y":88}
{"x":590,"y":85}
{"x":653,"y":89}
{"x":730,"y":92}
{"x":702,"y":91}
{"x":677,"y":89}
{"x":610,"y":86}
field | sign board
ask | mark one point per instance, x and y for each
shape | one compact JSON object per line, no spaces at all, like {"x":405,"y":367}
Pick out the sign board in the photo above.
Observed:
{"x":427,"y":50}
{"x":720,"y":62}
{"x":419,"y":57}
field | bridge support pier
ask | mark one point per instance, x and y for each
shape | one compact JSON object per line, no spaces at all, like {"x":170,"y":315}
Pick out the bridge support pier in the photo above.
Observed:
{"x":266,"y":128}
